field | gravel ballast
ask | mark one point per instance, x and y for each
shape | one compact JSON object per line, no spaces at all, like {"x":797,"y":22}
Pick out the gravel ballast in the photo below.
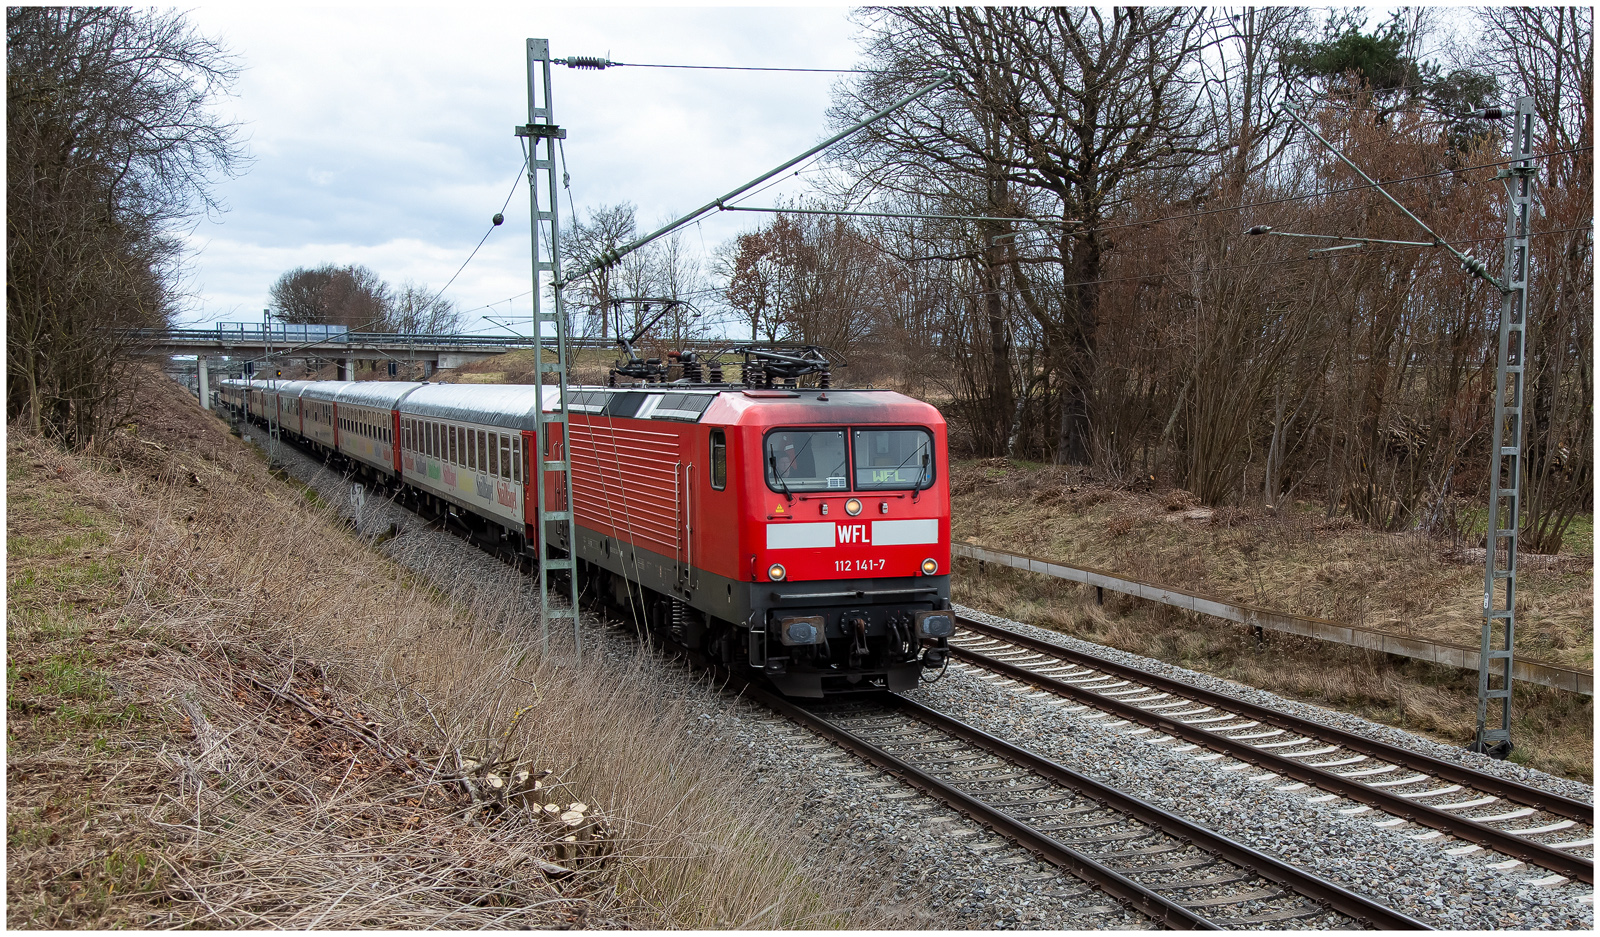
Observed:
{"x":952,"y":873}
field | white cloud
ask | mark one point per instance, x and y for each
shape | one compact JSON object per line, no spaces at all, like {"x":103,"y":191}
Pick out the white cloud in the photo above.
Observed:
{"x":382,"y":136}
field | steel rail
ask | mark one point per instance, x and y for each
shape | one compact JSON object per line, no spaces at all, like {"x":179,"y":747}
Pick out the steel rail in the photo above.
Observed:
{"x":1156,"y":906}
{"x":1299,"y":880}
{"x":1146,"y":901}
{"x":1461,"y":827}
{"x":1160,"y":908}
{"x":1524,"y":794}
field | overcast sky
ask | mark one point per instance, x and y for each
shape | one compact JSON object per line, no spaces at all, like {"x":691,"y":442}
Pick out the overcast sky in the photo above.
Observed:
{"x":384,"y":136}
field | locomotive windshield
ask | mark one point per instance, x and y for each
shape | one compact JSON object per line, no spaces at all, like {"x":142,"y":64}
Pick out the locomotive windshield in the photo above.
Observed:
{"x":806,"y":460}
{"x":893,"y":459}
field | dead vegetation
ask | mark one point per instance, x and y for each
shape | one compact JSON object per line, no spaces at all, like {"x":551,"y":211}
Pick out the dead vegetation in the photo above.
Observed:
{"x":226,"y":710}
{"x":1303,"y":563}
{"x":1296,"y":560}
{"x":586,"y":366}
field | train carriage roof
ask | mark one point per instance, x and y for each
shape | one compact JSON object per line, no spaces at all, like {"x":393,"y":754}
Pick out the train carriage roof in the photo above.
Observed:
{"x":511,"y":405}
{"x":382,"y":394}
{"x":291,"y":388}
{"x":327,"y":391}
{"x":508,"y":405}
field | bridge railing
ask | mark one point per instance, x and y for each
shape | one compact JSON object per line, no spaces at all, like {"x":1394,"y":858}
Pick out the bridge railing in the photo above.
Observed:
{"x":281,"y":332}
{"x":316,"y":335}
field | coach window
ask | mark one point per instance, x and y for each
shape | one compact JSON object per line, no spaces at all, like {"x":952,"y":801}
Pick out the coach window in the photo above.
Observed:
{"x":486,"y":459}
{"x":516,"y":458}
{"x":719,"y":459}
{"x":505,"y":456}
{"x":473,"y":462}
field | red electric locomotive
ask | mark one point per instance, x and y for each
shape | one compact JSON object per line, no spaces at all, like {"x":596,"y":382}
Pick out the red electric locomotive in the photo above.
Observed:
{"x":803,"y":533}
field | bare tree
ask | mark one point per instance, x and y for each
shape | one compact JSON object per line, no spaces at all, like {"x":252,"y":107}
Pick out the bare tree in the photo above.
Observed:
{"x":750,"y":269}
{"x":111,"y":139}
{"x":679,"y":276}
{"x":417,"y":309}
{"x":607,"y":229}
{"x":1088,"y":103}
{"x":1548,"y":54}
{"x":353,"y":296}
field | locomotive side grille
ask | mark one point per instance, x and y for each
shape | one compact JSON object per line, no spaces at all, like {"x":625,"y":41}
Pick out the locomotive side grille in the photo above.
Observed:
{"x":608,"y":460}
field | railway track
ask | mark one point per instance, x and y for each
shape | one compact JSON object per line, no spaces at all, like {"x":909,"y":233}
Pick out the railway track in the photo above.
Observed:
{"x":1178,"y":874}
{"x":1454,"y":802}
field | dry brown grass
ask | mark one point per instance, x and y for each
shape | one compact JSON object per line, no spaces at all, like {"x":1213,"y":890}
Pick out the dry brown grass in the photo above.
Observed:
{"x":150,"y":785}
{"x":1300,"y":562}
{"x":1553,"y":730}
{"x":587,"y":366}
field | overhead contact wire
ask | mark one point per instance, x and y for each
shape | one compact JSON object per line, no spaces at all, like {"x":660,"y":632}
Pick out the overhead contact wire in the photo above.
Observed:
{"x":514,"y":183}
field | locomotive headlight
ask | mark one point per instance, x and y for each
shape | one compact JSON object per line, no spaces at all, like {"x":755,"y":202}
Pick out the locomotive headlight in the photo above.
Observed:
{"x":930,"y":566}
{"x":936,"y":624}
{"x":853,"y":507}
{"x":775,"y":572}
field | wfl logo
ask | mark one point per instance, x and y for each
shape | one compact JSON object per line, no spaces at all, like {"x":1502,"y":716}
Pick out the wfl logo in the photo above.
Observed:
{"x":853,"y":533}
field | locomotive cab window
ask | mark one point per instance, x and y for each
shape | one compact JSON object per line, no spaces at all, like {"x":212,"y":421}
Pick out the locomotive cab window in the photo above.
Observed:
{"x":806,"y":460}
{"x":719,"y":459}
{"x":892,"y":459}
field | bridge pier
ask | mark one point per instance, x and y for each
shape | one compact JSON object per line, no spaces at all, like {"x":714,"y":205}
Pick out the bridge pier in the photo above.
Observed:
{"x":346,"y":371}
{"x":204,"y":386}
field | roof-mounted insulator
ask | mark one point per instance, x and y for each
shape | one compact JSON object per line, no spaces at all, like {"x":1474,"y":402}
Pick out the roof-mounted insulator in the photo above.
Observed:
{"x":587,"y":61}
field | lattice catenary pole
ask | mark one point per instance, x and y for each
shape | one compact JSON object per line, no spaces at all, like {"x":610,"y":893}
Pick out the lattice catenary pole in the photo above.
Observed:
{"x":550,"y":462}
{"x":1505,"y":460}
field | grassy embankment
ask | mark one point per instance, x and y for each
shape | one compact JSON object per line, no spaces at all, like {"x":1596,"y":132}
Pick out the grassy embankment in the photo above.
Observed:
{"x":1300,"y":562}
{"x":587,"y":366}
{"x":151,"y":783}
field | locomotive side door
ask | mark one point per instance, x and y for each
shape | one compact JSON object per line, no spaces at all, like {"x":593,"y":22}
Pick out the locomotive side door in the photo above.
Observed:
{"x":688,"y":530}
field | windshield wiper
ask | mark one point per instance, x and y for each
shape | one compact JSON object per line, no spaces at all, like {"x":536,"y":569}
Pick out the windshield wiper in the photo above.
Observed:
{"x":921,"y":476}
{"x":772,"y":460}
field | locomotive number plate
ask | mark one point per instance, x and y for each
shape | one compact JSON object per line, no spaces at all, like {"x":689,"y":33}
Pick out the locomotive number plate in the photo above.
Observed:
{"x":859,"y":566}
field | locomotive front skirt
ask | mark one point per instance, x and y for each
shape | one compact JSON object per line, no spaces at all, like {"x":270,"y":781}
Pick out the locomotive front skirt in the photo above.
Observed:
{"x":797,"y":532}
